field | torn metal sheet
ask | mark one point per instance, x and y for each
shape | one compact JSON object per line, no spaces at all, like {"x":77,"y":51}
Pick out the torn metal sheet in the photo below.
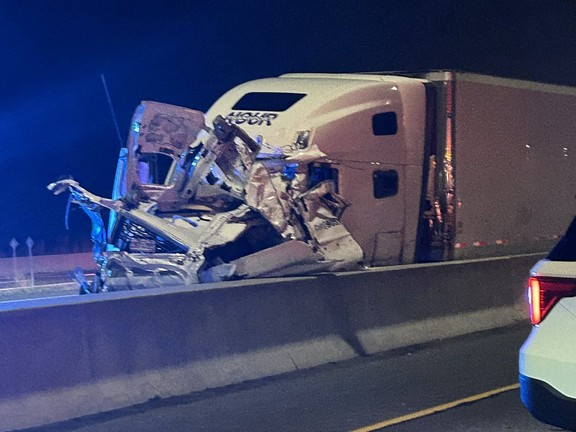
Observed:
{"x":321,"y":208}
{"x":124,"y":271}
{"x":195,"y":203}
{"x":160,"y":136}
{"x":290,"y":258}
{"x":268,"y":193}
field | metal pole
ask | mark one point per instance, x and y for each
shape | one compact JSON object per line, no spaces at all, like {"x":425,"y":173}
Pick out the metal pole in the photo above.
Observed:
{"x":30,"y":243}
{"x":14,"y":244}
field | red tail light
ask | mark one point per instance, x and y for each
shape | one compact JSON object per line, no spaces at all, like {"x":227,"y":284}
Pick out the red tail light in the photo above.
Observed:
{"x":544,"y":292}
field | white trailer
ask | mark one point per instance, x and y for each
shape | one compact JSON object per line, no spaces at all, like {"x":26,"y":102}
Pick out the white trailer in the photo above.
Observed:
{"x":310,"y":172}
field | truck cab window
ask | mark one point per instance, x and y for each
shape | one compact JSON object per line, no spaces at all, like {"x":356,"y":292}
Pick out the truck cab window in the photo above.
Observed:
{"x":385,"y":124}
{"x":319,"y":172}
{"x":385,"y":183}
{"x":153,"y":168}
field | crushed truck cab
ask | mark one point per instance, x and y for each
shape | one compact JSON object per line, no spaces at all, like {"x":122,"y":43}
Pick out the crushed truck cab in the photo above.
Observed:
{"x":193,"y":203}
{"x":305,"y":173}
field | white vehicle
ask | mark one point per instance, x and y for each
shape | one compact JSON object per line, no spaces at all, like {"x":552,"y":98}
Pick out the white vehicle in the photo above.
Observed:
{"x":321,"y":172}
{"x":548,"y":357}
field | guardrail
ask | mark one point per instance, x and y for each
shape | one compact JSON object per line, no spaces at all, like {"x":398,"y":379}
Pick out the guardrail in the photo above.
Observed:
{"x":38,"y":291}
{"x":65,"y":357}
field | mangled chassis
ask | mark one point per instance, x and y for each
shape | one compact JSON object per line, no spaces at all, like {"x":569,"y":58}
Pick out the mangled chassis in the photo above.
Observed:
{"x":227,"y":207}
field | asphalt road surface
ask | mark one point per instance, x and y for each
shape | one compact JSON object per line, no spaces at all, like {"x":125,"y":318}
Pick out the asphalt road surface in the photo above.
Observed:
{"x":464,"y":384}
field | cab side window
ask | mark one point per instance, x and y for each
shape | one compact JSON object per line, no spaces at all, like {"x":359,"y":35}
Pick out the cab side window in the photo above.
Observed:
{"x":385,"y":183}
{"x":318,"y":172}
{"x":385,"y":124}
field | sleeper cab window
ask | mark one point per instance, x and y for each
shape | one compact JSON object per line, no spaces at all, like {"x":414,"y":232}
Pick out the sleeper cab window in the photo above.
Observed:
{"x":267,"y":101}
{"x":385,"y":124}
{"x":385,"y":183}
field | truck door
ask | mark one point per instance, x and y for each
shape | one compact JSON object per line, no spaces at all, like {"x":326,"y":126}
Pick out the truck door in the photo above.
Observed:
{"x":375,"y":216}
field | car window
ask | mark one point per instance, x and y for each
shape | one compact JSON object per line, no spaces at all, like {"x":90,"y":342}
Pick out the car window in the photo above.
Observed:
{"x":565,"y":250}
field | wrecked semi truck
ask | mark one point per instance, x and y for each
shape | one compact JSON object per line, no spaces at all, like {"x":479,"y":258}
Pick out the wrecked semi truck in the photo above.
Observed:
{"x":305,"y":173}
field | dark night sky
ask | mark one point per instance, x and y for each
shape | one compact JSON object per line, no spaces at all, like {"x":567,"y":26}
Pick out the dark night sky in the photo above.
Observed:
{"x":55,"y":116}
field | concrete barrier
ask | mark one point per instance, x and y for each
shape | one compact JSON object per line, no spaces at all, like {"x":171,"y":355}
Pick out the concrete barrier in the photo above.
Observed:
{"x":45,"y":264}
{"x":38,"y":291}
{"x":70,"y":356}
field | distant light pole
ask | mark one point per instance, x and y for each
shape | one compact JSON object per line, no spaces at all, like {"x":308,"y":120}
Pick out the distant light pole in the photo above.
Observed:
{"x":30,"y":243}
{"x":14,"y":244}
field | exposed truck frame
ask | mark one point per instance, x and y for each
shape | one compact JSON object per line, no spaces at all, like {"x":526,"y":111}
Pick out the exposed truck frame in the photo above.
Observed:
{"x":323,"y":172}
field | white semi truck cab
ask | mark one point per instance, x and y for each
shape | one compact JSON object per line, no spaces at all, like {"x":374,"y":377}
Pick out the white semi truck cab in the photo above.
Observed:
{"x":321,"y":172}
{"x":359,"y":123}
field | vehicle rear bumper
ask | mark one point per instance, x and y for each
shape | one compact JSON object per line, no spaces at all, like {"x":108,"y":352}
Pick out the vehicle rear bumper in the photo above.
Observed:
{"x":547,"y":404}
